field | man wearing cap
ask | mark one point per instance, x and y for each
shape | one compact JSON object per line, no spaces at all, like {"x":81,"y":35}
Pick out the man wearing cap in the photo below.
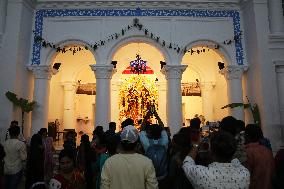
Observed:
{"x":128,"y":170}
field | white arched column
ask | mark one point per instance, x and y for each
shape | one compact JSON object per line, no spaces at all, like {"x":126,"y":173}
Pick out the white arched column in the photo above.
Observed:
{"x":276,"y":17}
{"x":69,"y":104}
{"x":173,"y":75}
{"x":233,"y":75}
{"x":207,"y":100}
{"x":42,"y":76}
{"x":103,"y":76}
{"x":115,"y":89}
{"x":162,"y":87}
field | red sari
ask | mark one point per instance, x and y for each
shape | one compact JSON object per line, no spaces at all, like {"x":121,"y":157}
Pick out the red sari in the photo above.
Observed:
{"x":48,"y":157}
{"x":77,"y":181}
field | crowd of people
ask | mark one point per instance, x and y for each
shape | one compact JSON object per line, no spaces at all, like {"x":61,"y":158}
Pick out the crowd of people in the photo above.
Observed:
{"x":234,"y":156}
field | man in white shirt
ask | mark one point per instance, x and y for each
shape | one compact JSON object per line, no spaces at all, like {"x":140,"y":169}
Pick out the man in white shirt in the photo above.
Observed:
{"x":223,"y":173}
{"x":16,"y":154}
{"x":20,"y":137}
{"x":128,"y":170}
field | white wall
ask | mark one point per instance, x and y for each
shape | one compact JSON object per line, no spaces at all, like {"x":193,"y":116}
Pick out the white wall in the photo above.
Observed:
{"x":204,"y":66}
{"x":220,"y":97}
{"x":14,"y":55}
{"x":193,"y":105}
{"x":84,"y":109}
{"x":261,"y":77}
{"x":73,"y":68}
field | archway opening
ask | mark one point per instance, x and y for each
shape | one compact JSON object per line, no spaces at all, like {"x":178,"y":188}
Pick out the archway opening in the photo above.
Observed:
{"x":133,"y":93}
{"x":72,"y":91}
{"x":204,"y":89}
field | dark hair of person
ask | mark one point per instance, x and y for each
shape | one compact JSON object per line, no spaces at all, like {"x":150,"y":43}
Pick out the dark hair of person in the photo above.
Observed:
{"x":126,"y":146}
{"x":223,"y":146}
{"x":253,"y":133}
{"x":182,"y":140}
{"x":67,"y":153}
{"x":99,"y":130}
{"x":112,"y":125}
{"x":147,"y":126}
{"x":123,"y":124}
{"x":35,"y":162}
{"x":42,"y":130}
{"x":185,"y":130}
{"x":182,"y":144}
{"x":14,"y":123}
{"x":36,"y":140}
{"x":14,"y":131}
{"x":129,"y":121}
{"x":167,"y":129}
{"x":85,"y":138}
{"x":112,"y":144}
{"x":195,"y":123}
{"x":241,"y":125}
{"x":71,"y":133}
{"x":230,"y":125}
{"x":102,"y":142}
{"x":2,"y":152}
{"x":88,"y":156}
{"x":156,"y":131}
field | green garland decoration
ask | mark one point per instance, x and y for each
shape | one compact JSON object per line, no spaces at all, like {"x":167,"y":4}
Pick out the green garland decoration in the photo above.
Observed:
{"x":135,"y":25}
{"x":253,"y":108}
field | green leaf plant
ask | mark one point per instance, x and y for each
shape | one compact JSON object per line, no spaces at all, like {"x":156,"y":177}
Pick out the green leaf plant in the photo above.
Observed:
{"x":253,"y":108}
{"x":24,"y":104}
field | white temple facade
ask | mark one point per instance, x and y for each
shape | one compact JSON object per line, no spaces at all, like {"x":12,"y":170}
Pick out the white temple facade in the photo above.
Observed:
{"x":88,"y":38}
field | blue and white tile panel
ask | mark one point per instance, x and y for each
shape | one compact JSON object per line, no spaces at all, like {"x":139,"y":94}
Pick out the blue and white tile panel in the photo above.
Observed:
{"x":42,"y":13}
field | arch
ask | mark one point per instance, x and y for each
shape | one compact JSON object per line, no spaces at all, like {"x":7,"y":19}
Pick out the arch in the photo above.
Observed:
{"x":210,"y":43}
{"x":137,"y":39}
{"x":51,"y":54}
{"x":80,"y":68}
{"x":198,"y":71}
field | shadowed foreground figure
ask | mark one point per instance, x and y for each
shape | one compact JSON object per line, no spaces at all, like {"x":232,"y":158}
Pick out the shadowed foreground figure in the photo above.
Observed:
{"x":224,"y":172}
{"x":128,"y":170}
{"x":13,"y":161}
{"x":260,"y":160}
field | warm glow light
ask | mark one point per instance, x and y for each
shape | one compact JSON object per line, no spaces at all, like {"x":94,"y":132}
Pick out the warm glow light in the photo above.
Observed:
{"x":137,"y":93}
{"x":138,"y":65}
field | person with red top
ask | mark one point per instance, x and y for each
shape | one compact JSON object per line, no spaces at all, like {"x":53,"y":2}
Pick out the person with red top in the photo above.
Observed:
{"x":68,"y":177}
{"x":260,"y":161}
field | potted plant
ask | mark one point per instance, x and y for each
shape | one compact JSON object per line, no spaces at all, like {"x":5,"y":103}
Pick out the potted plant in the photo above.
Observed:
{"x":253,"y":108}
{"x":24,"y":104}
